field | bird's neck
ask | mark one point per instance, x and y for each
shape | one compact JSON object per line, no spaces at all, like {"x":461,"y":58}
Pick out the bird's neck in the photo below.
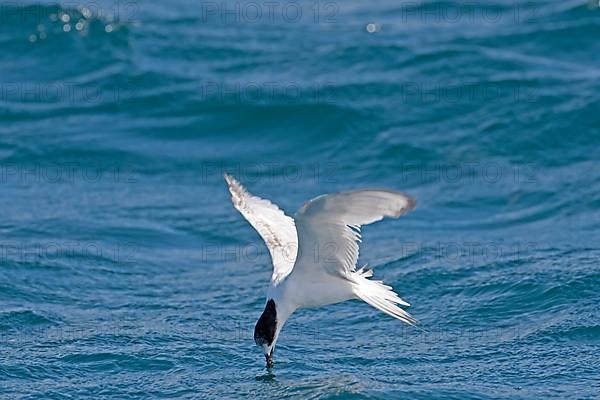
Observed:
{"x":284,"y":303}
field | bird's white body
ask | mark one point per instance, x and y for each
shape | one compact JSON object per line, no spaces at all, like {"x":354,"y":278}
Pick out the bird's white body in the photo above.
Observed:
{"x":314,"y":255}
{"x":299,"y":290}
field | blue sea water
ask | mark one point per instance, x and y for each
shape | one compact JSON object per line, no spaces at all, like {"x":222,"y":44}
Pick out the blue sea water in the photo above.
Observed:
{"x":125,"y":272}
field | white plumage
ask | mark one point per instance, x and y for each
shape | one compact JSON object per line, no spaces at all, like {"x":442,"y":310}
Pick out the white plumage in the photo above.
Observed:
{"x":314,"y":256}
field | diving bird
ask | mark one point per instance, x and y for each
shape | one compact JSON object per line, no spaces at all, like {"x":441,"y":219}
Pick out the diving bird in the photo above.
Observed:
{"x":314,"y":255}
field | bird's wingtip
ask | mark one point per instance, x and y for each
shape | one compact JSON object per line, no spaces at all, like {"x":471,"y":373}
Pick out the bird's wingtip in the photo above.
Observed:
{"x":408,"y":204}
{"x":412,"y":202}
{"x":231,"y":181}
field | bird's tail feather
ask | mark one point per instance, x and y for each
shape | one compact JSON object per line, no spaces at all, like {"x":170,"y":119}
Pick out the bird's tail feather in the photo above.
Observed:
{"x":381,"y":296}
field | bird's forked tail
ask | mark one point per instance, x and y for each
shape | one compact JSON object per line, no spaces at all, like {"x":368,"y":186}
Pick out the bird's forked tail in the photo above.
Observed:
{"x":380,"y":296}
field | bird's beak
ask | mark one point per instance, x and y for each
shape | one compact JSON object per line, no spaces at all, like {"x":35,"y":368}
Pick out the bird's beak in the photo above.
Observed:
{"x":269,"y":359}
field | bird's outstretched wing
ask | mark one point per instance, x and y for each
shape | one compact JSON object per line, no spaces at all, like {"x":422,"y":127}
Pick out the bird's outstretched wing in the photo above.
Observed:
{"x":277,"y":229}
{"x":330,"y":225}
{"x":329,"y":234}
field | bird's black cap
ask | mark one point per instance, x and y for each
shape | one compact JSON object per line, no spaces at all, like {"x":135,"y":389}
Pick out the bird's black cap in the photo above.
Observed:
{"x":264,"y":331}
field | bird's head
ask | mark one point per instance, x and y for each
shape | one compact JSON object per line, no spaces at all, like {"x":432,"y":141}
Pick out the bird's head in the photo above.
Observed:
{"x":266,"y":331}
